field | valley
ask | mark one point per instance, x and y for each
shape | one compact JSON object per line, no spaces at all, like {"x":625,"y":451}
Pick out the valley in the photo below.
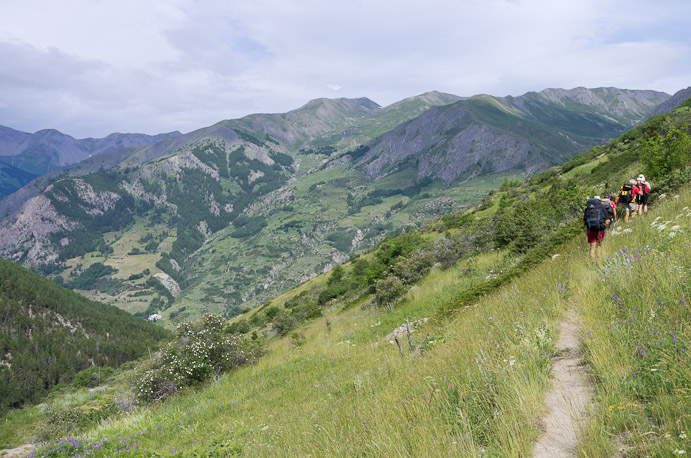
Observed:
{"x":226,"y":217}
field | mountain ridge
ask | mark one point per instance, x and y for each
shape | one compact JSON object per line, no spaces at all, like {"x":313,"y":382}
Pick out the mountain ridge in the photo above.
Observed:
{"x":239,"y":211}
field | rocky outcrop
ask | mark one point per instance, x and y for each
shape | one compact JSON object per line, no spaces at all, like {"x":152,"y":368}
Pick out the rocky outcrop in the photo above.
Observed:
{"x":27,"y":237}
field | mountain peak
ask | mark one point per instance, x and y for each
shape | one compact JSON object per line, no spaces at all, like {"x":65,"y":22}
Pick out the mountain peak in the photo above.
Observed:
{"x":342,"y":102}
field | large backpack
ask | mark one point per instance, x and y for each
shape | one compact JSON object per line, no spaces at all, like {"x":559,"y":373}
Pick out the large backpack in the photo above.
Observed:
{"x":645,"y":188}
{"x":626,"y":194}
{"x":594,"y":215}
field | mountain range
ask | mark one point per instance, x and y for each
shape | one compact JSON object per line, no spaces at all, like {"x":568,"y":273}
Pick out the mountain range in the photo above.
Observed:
{"x":226,"y":216}
{"x":47,"y":150}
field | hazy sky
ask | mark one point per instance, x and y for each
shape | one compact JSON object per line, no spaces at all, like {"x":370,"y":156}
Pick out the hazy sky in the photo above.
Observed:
{"x":92,"y":67}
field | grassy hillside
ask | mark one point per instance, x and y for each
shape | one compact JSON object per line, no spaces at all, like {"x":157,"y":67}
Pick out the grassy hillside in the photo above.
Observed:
{"x":342,"y":377}
{"x":474,"y":383}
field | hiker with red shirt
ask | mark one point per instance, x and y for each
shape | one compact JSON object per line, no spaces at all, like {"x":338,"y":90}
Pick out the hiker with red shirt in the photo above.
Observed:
{"x":642,"y":198}
{"x":627,"y":198}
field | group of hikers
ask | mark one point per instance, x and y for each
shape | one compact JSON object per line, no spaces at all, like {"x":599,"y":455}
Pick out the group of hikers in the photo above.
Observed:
{"x":602,"y":212}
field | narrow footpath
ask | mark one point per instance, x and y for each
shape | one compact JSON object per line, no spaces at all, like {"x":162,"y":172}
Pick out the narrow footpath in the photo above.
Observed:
{"x":568,"y":399}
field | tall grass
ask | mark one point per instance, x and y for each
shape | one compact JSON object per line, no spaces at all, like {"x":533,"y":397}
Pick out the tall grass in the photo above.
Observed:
{"x":473,"y":386}
{"x":636,"y":321}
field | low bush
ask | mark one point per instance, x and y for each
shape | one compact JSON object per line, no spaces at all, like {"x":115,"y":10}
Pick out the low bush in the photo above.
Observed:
{"x":198,"y":352}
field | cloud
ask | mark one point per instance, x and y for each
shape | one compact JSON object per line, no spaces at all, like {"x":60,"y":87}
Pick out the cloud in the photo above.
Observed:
{"x":91,"y":68}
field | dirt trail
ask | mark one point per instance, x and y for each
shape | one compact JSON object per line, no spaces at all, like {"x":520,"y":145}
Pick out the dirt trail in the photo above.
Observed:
{"x":567,"y":401}
{"x":24,"y":450}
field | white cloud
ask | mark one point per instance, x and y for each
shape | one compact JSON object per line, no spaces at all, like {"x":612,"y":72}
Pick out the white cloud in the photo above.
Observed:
{"x":90,"y":68}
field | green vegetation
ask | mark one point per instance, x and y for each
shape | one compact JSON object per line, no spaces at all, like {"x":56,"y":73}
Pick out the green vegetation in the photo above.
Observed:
{"x":87,"y":279}
{"x":637,"y":340}
{"x":480,"y":296}
{"x":196,"y":354}
{"x":48,"y":334}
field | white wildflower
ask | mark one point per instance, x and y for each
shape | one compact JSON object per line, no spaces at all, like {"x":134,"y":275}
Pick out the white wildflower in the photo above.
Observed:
{"x":672,"y":235}
{"x":628,"y":230}
{"x":554,"y":257}
{"x":676,"y":228}
{"x":653,"y":370}
{"x":682,"y":435}
{"x":662,"y":196}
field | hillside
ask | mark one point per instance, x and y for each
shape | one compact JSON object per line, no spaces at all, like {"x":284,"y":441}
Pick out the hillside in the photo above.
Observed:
{"x":48,"y":334}
{"x":483,"y":135}
{"x":12,"y":178}
{"x":483,"y":293}
{"x":225,"y":217}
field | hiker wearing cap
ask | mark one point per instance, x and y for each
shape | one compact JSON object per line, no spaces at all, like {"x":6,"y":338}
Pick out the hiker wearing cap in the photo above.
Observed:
{"x":642,"y":197}
{"x":627,"y":196}
{"x":596,"y":219}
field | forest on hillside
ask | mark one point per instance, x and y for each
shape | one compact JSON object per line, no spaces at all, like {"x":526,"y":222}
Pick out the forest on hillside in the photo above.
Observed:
{"x":49,"y":334}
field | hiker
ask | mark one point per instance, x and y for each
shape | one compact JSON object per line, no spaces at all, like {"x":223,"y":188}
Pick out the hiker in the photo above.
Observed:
{"x":627,"y":197}
{"x":596,"y":219}
{"x":642,"y":197}
{"x":611,"y":207}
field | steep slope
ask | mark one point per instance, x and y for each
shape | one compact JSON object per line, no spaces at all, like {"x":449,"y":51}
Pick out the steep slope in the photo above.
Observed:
{"x":12,"y":178}
{"x":48,"y":334}
{"x":673,"y":102}
{"x":284,"y":132}
{"x":485,"y":134}
{"x":348,"y":379}
{"x":234,"y":216}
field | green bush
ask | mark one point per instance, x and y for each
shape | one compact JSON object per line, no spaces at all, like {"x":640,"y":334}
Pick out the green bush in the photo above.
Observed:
{"x":198,"y":352}
{"x":670,"y":149}
{"x":389,"y":289}
{"x":92,"y":376}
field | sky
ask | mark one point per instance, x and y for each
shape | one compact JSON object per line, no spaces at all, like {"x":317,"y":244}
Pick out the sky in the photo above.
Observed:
{"x":92,"y":67}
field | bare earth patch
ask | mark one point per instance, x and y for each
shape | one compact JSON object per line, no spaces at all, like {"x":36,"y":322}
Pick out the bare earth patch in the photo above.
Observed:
{"x":567,"y":400}
{"x":17,"y":452}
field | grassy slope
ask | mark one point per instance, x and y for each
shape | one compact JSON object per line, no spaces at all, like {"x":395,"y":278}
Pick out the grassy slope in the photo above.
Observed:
{"x":477,"y":389}
{"x":337,"y":387}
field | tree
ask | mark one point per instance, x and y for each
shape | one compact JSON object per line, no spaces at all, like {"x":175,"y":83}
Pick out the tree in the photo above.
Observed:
{"x":668,"y":150}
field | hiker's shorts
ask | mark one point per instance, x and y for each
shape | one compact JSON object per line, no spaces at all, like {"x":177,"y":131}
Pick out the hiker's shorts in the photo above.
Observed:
{"x":633,"y":206}
{"x":595,"y":236}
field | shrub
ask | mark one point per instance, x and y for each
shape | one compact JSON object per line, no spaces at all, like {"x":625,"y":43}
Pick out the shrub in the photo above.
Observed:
{"x":389,"y":289}
{"x":668,"y":150}
{"x":283,"y":323}
{"x":92,"y":376}
{"x":198,"y":352}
